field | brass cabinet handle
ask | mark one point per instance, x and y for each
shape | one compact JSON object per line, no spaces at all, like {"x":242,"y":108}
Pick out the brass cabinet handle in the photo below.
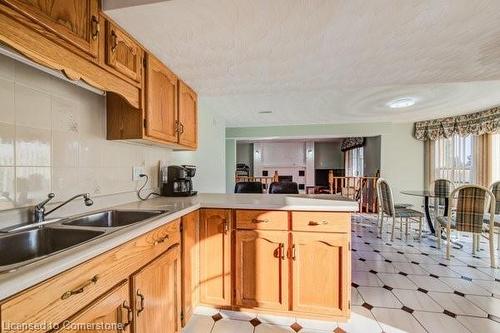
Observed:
{"x":114,"y":41}
{"x":80,"y":289}
{"x":226,"y":226}
{"x":129,"y":314}
{"x":314,"y":223}
{"x":141,"y":296}
{"x":260,"y":221}
{"x":177,"y":126}
{"x":160,"y":240}
{"x":95,"y":28}
{"x":282,"y":250}
{"x":294,"y":252}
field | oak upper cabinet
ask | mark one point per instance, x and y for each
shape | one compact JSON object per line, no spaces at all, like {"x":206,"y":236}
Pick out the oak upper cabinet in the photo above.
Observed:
{"x":190,"y":264}
{"x":215,"y":256}
{"x":112,"y":308}
{"x":261,"y":269}
{"x":74,"y":21}
{"x":123,"y":54}
{"x":321,"y":271}
{"x":156,"y":290}
{"x":188,"y":116}
{"x":161,"y":101}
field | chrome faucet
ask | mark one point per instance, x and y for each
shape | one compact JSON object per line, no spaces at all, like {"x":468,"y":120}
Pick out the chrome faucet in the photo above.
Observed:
{"x":40,"y":213}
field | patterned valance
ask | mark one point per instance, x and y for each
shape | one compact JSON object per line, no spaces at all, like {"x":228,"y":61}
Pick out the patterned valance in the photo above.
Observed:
{"x":351,"y":143}
{"x":475,"y":123}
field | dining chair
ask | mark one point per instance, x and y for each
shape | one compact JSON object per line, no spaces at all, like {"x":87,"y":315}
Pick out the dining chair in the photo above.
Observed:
{"x":442,"y":189}
{"x":283,"y":188}
{"x":248,"y":187}
{"x":495,"y":189}
{"x":472,"y":203}
{"x":387,"y":207}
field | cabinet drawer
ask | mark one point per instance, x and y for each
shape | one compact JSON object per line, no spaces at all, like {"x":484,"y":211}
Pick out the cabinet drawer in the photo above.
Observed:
{"x":321,"y":221}
{"x":64,"y":295}
{"x":262,"y":219}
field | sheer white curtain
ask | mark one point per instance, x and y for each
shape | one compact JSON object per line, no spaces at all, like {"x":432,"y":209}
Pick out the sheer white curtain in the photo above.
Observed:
{"x":454,"y":159}
{"x":495,"y":172}
{"x":354,"y":162}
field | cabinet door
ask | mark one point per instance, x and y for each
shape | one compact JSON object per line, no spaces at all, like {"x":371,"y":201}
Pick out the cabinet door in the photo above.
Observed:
{"x":261,"y":272}
{"x":122,"y":53}
{"x":215,"y":257}
{"x":75,"y":21}
{"x":190,"y":260}
{"x":320,"y":273}
{"x":161,"y":101}
{"x":156,"y":291}
{"x":188,"y":116}
{"x":112,"y":309}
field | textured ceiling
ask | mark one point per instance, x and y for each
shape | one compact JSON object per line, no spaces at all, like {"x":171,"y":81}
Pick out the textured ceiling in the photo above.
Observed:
{"x":316,"y":61}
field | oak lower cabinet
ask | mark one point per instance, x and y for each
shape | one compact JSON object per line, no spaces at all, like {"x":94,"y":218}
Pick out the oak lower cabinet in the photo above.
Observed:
{"x":190,"y":264}
{"x":215,"y":257}
{"x":321,"y":268}
{"x":110,"y":313}
{"x":156,"y":290}
{"x":261,"y":269}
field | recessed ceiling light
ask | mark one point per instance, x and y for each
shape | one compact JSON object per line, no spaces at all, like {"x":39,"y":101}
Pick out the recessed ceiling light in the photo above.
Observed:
{"x":402,"y":102}
{"x":265,"y":112}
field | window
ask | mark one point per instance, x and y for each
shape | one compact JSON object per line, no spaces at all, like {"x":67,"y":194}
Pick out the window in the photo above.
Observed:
{"x":496,"y":157}
{"x":454,"y":159}
{"x":354,"y":162}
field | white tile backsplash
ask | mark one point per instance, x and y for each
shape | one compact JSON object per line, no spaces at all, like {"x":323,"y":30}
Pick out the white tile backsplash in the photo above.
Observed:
{"x":53,"y":139}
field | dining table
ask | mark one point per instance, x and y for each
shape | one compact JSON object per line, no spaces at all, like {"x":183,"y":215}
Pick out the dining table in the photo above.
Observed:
{"x":427,"y":194}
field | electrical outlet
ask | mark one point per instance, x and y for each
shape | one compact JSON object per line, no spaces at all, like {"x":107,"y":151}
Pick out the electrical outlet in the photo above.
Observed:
{"x":136,"y":171}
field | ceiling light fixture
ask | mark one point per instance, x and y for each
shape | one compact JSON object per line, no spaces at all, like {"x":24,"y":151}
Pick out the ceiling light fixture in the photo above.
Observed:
{"x":402,"y":102}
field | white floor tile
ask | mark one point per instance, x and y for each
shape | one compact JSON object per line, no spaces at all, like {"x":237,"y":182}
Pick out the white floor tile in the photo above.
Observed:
{"x":362,"y":321}
{"x":356,"y":298}
{"x":421,"y":259}
{"x":439,"y":270}
{"x":276,"y":320}
{"x":429,"y":283}
{"x":409,"y":268}
{"x":395,"y":257}
{"x":417,"y":300}
{"x":465,"y":286}
{"x":472,"y":273}
{"x":457,"y":304}
{"x":397,"y":321}
{"x":489,"y":304}
{"x":439,"y":323}
{"x":366,"y":279}
{"x":205,"y":311}
{"x":318,"y":324}
{"x":266,"y":328}
{"x":379,"y":297}
{"x":380,"y":266}
{"x":368,"y":255}
{"x":482,"y":325}
{"x":493,"y":287}
{"x":237,"y":315}
{"x":232,"y":326}
{"x":397,"y":281}
{"x":199,"y":324}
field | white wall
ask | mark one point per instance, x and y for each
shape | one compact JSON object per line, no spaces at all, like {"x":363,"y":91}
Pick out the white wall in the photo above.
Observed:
{"x":371,"y":155}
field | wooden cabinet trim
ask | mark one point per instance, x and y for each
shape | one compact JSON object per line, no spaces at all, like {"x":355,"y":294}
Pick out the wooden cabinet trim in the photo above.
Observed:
{"x":188,"y":116}
{"x":261,"y":219}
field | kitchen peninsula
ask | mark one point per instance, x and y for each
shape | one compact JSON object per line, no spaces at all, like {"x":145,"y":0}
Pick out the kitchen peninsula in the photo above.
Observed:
{"x":246,"y":252}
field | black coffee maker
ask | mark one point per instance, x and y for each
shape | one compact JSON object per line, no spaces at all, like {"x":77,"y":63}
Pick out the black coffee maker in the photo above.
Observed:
{"x":178,"y":182}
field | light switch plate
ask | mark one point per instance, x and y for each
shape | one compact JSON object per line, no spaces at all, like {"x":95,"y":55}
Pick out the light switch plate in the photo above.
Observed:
{"x":136,"y":171}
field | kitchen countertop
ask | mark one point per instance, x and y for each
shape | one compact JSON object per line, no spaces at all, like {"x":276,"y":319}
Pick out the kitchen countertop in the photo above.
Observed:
{"x":34,"y":273}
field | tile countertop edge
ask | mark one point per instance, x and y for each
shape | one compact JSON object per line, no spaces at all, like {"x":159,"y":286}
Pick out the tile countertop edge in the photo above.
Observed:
{"x":14,"y":282}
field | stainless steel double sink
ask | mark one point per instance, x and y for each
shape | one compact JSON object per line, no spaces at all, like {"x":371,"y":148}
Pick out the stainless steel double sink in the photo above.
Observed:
{"x":31,"y":243}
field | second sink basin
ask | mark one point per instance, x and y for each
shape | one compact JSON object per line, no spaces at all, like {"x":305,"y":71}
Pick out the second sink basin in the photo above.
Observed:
{"x":114,"y":218}
{"x":36,"y":243}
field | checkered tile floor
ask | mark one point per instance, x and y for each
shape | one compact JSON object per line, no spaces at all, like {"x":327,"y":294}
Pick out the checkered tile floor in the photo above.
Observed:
{"x":396,"y":287}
